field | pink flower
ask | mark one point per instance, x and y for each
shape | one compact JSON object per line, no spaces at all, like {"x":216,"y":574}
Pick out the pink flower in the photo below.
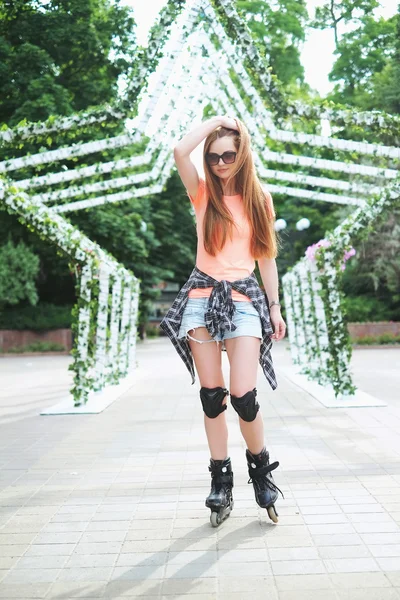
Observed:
{"x":311,"y":250}
{"x":349,"y":253}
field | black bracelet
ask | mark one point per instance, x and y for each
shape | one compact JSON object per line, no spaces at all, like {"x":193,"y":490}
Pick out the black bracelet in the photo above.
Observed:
{"x":273,"y":303}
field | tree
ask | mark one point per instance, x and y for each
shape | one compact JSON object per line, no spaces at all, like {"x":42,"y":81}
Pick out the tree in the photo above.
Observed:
{"x":363,"y":54}
{"x":367,"y":72}
{"x":57,"y":57}
{"x":174,"y":227}
{"x":334,"y":12}
{"x":61,"y":56}
{"x":279,"y":29}
{"x":372,"y":280}
{"x":381,"y":254}
{"x":19,"y":268}
{"x":367,"y":68}
{"x":386,"y":88}
{"x":154,"y":236}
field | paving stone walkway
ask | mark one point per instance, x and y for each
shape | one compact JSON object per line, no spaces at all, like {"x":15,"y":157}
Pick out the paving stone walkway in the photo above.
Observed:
{"x":112,"y":505}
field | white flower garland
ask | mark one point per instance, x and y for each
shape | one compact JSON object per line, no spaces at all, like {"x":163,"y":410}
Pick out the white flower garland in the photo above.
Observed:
{"x":247,"y":48}
{"x":93,"y":264}
{"x":180,"y":15}
{"x":218,"y":66}
{"x":311,"y":290}
{"x":67,"y":153}
{"x":345,"y":116}
{"x":325,"y":265}
{"x":97,"y":115}
{"x":333,"y":345}
{"x":83,"y":172}
{"x":266,"y":174}
{"x":174,"y":122}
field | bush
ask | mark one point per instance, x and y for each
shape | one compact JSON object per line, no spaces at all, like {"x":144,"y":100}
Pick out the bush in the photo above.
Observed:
{"x":19,"y":268}
{"x":384,"y":338}
{"x":38,"y":347}
{"x":43,"y":316}
{"x":152,"y":331}
{"x":364,"y":309}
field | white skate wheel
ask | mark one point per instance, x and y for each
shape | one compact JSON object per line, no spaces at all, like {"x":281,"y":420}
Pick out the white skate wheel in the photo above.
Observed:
{"x":273,"y":515}
{"x":214,"y":519}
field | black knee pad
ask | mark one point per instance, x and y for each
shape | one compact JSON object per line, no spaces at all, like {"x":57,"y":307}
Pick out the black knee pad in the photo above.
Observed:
{"x":211,"y":399}
{"x":246,"y":406}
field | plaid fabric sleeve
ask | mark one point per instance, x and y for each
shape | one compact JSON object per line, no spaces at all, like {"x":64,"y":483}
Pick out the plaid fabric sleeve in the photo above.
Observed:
{"x":249,"y":286}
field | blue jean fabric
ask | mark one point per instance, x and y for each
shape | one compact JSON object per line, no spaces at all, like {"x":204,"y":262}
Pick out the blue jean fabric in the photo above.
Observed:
{"x":246,"y":319}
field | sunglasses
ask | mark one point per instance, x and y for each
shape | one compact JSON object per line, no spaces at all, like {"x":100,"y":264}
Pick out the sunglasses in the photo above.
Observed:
{"x":228,"y":158}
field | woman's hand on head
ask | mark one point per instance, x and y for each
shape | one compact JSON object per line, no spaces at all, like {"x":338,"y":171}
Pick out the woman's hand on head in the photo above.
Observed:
{"x":229,"y":122}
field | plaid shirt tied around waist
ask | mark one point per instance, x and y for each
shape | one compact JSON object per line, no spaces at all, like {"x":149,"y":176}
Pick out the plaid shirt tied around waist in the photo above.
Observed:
{"x":219,"y":315}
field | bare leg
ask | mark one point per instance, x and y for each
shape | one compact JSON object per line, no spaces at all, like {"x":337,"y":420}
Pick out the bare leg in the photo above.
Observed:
{"x":243,"y":353}
{"x":207,"y":358}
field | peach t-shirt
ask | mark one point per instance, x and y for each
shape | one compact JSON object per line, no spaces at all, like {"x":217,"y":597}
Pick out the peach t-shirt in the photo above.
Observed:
{"x":234,"y":261}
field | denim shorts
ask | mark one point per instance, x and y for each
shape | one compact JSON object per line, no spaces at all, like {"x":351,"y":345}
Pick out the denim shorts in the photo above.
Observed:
{"x":245,"y":317}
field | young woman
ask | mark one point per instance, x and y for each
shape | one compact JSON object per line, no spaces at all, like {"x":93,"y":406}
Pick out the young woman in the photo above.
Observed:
{"x":222,"y":303}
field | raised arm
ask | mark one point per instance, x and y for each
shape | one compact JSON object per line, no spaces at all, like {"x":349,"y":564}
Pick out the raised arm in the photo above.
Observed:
{"x":190,"y":141}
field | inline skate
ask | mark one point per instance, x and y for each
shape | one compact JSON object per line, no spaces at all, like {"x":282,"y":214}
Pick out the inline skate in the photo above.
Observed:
{"x":265,"y":490}
{"x":220,"y":499}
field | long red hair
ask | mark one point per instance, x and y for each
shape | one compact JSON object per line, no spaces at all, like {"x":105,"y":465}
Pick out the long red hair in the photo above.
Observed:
{"x":257,"y":203}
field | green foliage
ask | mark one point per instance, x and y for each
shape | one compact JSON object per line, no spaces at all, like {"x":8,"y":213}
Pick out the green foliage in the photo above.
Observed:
{"x":371,"y":281}
{"x":279,"y":29}
{"x":174,"y":229}
{"x":52,"y":80}
{"x":43,"y":316}
{"x":383,"y":339}
{"x":19,"y":268}
{"x":60,"y":57}
{"x":364,"y":309}
{"x":38,"y":347}
{"x":152,"y":331}
{"x":54,"y":284}
{"x":165,"y":250}
{"x":323,"y":216}
{"x":362,"y":56}
{"x":330,"y":14}
{"x":254,"y":61}
{"x":367,"y":69}
{"x":367,"y":76}
{"x":147,"y":58}
{"x":116,"y":228}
